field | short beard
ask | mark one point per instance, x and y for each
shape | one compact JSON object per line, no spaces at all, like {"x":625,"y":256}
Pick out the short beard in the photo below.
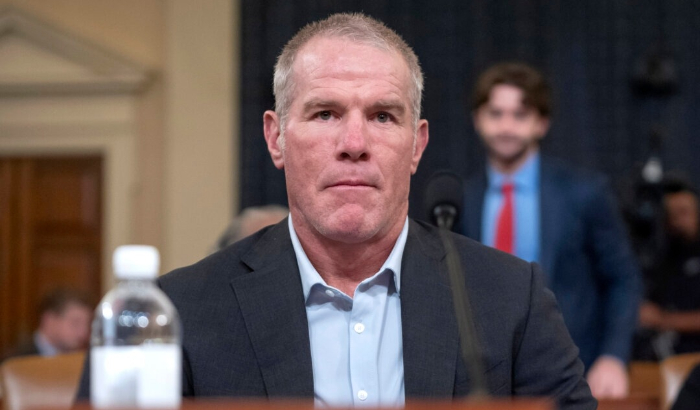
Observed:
{"x":512,"y":159}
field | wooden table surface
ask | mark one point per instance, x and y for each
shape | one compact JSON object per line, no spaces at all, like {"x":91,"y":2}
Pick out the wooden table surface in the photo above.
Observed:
{"x":635,"y":402}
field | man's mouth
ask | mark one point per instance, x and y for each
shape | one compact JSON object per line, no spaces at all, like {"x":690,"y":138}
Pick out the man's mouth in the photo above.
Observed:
{"x":352,"y":183}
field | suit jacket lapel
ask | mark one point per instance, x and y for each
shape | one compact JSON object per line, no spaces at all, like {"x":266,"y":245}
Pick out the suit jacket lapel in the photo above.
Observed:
{"x":272,"y":304}
{"x":473,"y":206}
{"x":430,"y":341}
{"x":551,"y":209}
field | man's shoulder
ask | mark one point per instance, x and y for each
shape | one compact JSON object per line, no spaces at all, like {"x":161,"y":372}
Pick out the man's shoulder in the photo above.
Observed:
{"x":552,"y":167}
{"x":477,"y":258}
{"x":579,"y":186}
{"x":222,"y":266}
{"x":499,"y":286}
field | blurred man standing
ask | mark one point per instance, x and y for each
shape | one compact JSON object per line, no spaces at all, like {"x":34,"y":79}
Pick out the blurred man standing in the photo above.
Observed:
{"x":545,"y":211}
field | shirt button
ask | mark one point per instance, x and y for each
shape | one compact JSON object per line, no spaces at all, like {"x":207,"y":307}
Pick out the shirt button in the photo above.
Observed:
{"x":359,"y":328}
{"x":362,"y":395}
{"x":330,"y":293}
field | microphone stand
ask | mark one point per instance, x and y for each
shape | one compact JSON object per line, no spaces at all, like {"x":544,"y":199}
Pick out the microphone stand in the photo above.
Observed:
{"x":469,"y":347}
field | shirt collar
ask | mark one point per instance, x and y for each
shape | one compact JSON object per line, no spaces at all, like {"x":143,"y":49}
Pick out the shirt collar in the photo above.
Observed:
{"x":311,"y":277}
{"x":44,"y":347}
{"x":526,"y":177}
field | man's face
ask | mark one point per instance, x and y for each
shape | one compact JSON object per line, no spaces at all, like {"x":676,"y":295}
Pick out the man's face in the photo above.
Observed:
{"x":70,"y":329}
{"x":682,"y":214}
{"x":349,"y":141}
{"x":509,"y":129}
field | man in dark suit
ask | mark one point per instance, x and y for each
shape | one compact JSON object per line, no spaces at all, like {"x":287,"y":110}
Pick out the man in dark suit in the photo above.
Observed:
{"x":347,"y":301}
{"x":546,"y":211}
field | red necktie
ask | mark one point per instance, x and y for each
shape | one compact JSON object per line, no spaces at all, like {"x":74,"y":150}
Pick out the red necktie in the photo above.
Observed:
{"x":505,"y":224}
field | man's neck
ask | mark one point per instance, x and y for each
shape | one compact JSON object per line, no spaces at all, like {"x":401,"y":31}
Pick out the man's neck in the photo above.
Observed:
{"x":511,"y":167}
{"x":344,"y":265}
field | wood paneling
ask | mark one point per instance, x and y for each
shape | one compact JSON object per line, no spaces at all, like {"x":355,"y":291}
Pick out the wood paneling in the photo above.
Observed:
{"x":50,"y":235}
{"x":645,"y":379}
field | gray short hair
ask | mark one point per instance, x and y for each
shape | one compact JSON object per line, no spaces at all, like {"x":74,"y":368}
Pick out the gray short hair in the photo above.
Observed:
{"x":353,"y":26}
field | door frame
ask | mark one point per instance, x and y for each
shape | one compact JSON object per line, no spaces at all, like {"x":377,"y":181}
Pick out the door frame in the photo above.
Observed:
{"x":112,"y":139}
{"x":63,"y":95}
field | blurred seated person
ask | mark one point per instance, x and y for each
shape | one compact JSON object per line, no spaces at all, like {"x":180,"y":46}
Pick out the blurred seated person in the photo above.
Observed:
{"x":249,"y":221}
{"x":64,"y":324}
{"x":672,"y":308}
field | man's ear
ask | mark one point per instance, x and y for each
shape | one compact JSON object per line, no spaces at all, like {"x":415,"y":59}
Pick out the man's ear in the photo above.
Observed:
{"x":272,"y":129}
{"x":422,"y":136}
{"x":542,"y":127}
{"x":476,"y":122}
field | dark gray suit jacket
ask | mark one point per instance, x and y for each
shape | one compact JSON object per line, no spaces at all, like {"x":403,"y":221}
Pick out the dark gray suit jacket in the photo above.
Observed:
{"x":689,"y":396}
{"x":246,"y":332}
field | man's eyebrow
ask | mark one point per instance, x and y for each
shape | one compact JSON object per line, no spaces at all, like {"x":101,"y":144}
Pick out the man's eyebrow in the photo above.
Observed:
{"x":395,"y":106}
{"x":316,"y":103}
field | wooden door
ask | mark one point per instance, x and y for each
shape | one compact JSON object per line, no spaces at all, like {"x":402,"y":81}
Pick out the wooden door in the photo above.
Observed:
{"x":50,"y":235}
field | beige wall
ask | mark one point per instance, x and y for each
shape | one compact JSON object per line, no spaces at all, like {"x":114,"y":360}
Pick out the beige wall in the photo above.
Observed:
{"x":131,"y":28}
{"x":186,"y":116}
{"x":199,"y":127}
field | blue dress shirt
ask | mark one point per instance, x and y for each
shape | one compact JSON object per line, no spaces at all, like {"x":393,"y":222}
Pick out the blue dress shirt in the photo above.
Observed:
{"x":526,"y":183}
{"x":44,"y":347}
{"x":356,"y":343}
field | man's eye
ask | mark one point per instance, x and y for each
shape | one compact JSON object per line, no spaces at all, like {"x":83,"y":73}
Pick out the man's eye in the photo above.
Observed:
{"x":521,"y":116}
{"x":324,"y":115}
{"x":383,"y":117}
{"x":494,"y":114}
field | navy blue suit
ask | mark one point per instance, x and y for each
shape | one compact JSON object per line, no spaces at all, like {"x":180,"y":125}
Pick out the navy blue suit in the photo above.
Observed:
{"x":585,"y":254}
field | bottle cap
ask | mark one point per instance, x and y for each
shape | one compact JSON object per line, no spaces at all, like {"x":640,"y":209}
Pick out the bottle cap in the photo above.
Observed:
{"x":136,"y":262}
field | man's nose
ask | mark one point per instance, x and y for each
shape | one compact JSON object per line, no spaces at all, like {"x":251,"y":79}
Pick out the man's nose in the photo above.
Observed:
{"x":506,"y":124}
{"x":353,"y":142}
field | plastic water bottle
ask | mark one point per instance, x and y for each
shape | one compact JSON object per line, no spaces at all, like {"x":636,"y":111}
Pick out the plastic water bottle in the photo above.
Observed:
{"x":135,"y":348}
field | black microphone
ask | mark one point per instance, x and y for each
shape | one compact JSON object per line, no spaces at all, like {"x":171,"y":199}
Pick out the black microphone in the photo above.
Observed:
{"x":444,"y":196}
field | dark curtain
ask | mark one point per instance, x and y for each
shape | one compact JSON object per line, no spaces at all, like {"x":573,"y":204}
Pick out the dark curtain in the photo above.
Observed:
{"x":587,"y":49}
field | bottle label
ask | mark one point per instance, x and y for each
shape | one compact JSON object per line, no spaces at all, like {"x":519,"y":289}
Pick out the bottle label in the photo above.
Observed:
{"x":136,"y":376}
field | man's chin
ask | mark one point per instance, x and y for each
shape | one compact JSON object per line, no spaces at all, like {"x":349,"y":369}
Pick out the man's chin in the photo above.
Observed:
{"x":347,"y":228}
{"x":508,"y":157}
{"x":347,"y":233}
